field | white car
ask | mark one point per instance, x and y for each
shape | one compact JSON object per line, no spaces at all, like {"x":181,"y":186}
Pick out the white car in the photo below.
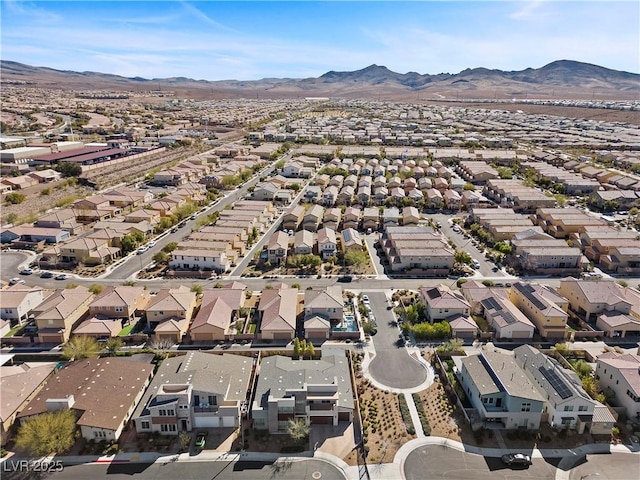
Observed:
{"x":16,"y":280}
{"x":142,"y":249}
{"x":365,"y":300}
{"x":151,"y":244}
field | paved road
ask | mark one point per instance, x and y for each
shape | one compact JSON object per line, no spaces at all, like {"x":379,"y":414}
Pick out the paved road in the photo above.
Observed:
{"x":133,"y":263}
{"x":392,"y":365}
{"x":464,"y":244}
{"x":437,"y":462}
{"x":306,"y":469}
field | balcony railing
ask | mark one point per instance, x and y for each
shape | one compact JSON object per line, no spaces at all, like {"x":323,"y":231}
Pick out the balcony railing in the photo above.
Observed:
{"x":321,"y":406}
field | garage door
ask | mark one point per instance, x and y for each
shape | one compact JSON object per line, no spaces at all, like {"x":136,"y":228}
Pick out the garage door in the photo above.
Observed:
{"x":206,"y":422}
{"x":228,"y":421}
{"x":321,"y":420}
{"x":282,"y":336}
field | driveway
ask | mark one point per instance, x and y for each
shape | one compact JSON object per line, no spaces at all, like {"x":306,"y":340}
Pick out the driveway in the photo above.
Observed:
{"x":392,"y":366}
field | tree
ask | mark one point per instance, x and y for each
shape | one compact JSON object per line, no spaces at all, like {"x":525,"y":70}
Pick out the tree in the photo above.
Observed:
{"x":69,"y":169}
{"x":48,"y":433}
{"x":462,"y":257}
{"x":185,"y":440}
{"x":80,"y":347}
{"x":469,"y":186}
{"x":161,"y":257}
{"x":113,"y":345}
{"x":96,"y":288}
{"x":197,"y":289}
{"x":298,"y":429}
{"x":452,"y":346}
{"x":310,"y":351}
{"x":296,"y":347}
{"x":161,"y":348}
{"x":356,"y":258}
{"x":583,"y":369}
{"x":14,"y":198}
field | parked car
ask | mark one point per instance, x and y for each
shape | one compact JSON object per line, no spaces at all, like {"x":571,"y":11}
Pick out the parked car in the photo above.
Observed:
{"x":174,"y":229}
{"x":365,"y":299}
{"x":151,"y":244}
{"x":516,"y":459}
{"x":345,"y":279}
{"x":15,"y":281}
{"x":201,"y":439}
{"x":61,"y":276}
{"x":193,"y":217}
{"x":26,"y":271}
{"x":142,"y":249}
{"x":46,"y":274}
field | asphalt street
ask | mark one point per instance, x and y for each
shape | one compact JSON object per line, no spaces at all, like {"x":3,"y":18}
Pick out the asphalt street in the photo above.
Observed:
{"x":298,"y":469}
{"x":392,"y":365}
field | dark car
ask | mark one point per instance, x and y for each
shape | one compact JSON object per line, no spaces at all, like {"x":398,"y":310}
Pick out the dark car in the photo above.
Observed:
{"x":46,"y":275}
{"x":345,"y":279}
{"x":516,"y":459}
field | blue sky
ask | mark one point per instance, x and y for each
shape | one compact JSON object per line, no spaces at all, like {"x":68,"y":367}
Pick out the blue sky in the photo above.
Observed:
{"x":247,"y":40}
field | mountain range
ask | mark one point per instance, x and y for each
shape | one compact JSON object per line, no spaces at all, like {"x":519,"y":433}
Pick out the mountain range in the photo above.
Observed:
{"x":559,"y":79}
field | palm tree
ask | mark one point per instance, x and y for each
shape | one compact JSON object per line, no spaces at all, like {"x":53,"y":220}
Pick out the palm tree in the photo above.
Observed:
{"x":298,"y":429}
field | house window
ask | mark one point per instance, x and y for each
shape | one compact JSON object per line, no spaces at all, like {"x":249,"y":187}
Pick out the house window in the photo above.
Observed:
{"x":568,"y":408}
{"x":213,"y":400}
{"x":171,"y":413}
{"x":526,"y":407}
{"x":162,"y":412}
{"x":145,"y":425}
{"x":582,"y":408}
{"x":119,"y":309}
{"x":168,"y":428}
{"x":196,"y":399}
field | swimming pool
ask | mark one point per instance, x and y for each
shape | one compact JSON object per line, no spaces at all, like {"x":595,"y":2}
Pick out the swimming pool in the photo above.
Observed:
{"x":348,"y":324}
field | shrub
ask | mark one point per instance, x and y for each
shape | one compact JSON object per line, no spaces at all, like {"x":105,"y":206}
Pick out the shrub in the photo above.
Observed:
{"x":14,"y":198}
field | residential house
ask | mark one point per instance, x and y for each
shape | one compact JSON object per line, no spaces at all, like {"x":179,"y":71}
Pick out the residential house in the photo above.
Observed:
{"x":88,"y":251}
{"x":617,"y":324}
{"x":292,"y":219}
{"x":620,"y":372}
{"x":95,"y":207}
{"x":500,"y":391}
{"x":350,"y":239}
{"x":195,"y":391}
{"x":312,"y":218}
{"x":32,"y":236}
{"x":265,"y":191}
{"x":544,"y":307}
{"x":441,"y":303}
{"x":330,"y":195}
{"x":319,"y":391}
{"x":60,"y":312}
{"x":452,"y":199}
{"x":416,"y":249}
{"x":323,"y":308}
{"x":169,"y":313}
{"x":370,"y":219}
{"x":18,"y":301}
{"x":303,"y":242}
{"x":327,"y":243}
{"x":63,"y":219}
{"x":331,"y":218}
{"x":567,"y":405}
{"x":351,"y":218}
{"x":277,"y":312}
{"x":103,"y":392}
{"x":200,"y":259}
{"x":277,"y":248}
{"x":121,"y":301}
{"x":589,"y":298}
{"x":20,"y":384}
{"x":410,"y":216}
{"x":218,"y":313}
{"x":506,"y":320}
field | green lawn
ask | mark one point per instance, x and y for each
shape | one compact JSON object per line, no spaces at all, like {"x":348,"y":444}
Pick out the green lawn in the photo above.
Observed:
{"x":15,"y":330}
{"x":127,"y":330}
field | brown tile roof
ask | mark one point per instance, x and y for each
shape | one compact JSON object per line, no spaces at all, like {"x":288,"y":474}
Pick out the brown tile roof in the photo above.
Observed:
{"x":104,"y":389}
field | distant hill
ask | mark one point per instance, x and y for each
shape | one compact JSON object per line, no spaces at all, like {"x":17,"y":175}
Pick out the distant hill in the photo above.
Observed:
{"x":559,"y":79}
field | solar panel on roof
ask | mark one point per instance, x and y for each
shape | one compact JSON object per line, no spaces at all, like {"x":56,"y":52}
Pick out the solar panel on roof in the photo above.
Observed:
{"x":508,"y":317}
{"x":556,"y":382}
{"x":528,"y":292}
{"x":491,"y":304}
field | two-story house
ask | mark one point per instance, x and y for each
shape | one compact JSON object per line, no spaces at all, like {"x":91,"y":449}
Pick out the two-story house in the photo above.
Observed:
{"x":327,"y":243}
{"x":621,"y":373}
{"x":18,"y":301}
{"x":169,"y":313}
{"x":317,"y":391}
{"x":219,"y":310}
{"x":277,"y":312}
{"x":196,"y":390}
{"x":277,"y":248}
{"x":500,"y":391}
{"x":60,"y":312}
{"x":441,"y":303}
{"x":323,"y":308}
{"x":543,"y":306}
